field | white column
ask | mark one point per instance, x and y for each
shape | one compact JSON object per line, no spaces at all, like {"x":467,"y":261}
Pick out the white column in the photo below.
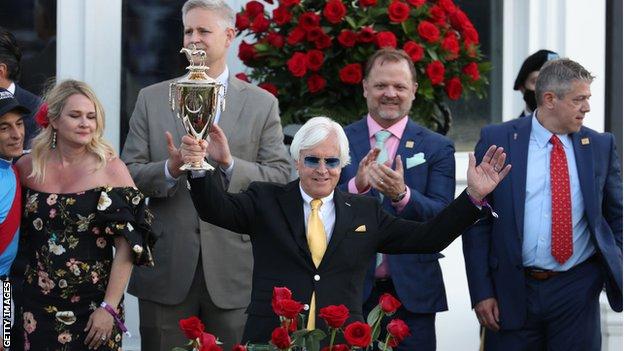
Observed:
{"x":89,"y":49}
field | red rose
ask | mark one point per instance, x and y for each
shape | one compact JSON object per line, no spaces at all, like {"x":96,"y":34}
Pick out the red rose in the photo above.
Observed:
{"x":358,"y":334}
{"x":416,"y":3}
{"x":470,"y":36}
{"x":392,"y":342}
{"x":334,"y":11}
{"x":254,"y":8}
{"x":414,"y":50}
{"x":309,"y":20}
{"x":451,"y":45}
{"x":275,"y":39}
{"x":295,"y":36}
{"x":316,"y":83}
{"x":435,"y":72}
{"x":207,"y":339}
{"x":280,"y":338}
{"x":386,"y":39}
{"x":339,"y":347}
{"x":472,"y":71}
{"x":269,"y":1}
{"x":242,"y":76}
{"x":297,"y":64}
{"x":351,"y":73}
{"x":428,"y":31}
{"x":246,"y":52}
{"x":239,"y":347}
{"x":314,"y":33}
{"x":281,"y":15}
{"x":453,"y":88}
{"x":242,"y":21}
{"x":448,"y":6}
{"x":398,"y":11}
{"x":289,"y":3}
{"x":438,"y":15}
{"x":42,"y":115}
{"x":192,"y":327}
{"x":271,"y":88}
{"x":398,"y":329}
{"x":365,"y":3}
{"x":281,"y":293}
{"x":315,"y":59}
{"x":260,"y":24}
{"x":388,"y":303}
{"x":288,"y":308}
{"x":366,"y":35}
{"x":347,"y":38}
{"x":323,"y":42}
{"x":459,"y":20}
{"x":334,"y":316}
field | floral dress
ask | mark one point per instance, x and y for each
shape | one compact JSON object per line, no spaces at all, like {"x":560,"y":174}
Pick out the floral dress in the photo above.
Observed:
{"x":69,"y":239}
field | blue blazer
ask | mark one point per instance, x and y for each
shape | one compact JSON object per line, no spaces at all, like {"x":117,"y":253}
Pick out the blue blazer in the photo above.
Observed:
{"x":493,"y":247}
{"x":31,"y":102}
{"x":417,"y":277}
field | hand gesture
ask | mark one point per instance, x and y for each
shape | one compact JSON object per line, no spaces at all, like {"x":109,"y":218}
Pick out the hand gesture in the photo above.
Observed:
{"x":361,"y":177}
{"x":218,"y":148}
{"x":193,"y":150}
{"x":175,"y":157}
{"x":487,"y":313}
{"x":482,"y":179}
{"x":386,"y":180}
{"x":99,"y":328}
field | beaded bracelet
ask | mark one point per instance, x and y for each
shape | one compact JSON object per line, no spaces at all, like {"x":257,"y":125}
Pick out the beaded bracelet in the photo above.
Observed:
{"x":112,"y":312}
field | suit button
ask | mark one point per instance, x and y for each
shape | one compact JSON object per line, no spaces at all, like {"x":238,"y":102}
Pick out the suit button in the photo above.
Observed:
{"x":317,"y":277}
{"x":306,"y":307}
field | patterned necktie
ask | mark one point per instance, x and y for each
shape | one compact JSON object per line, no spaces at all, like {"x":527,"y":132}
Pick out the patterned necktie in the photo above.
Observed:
{"x":561,"y":226}
{"x":380,"y":143}
{"x":317,"y":242}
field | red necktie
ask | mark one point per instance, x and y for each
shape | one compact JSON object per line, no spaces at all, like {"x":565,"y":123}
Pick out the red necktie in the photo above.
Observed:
{"x":561,"y":244}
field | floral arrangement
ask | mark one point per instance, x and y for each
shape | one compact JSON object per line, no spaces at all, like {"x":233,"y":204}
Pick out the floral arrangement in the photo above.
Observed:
{"x":311,"y":53}
{"x":288,"y":336}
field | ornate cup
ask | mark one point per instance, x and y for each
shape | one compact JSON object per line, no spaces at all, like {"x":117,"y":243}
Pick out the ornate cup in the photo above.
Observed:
{"x":195,"y":100}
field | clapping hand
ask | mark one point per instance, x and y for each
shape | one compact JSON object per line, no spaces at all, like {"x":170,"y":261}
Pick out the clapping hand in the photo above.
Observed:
{"x":362,"y":182}
{"x":484,"y":178}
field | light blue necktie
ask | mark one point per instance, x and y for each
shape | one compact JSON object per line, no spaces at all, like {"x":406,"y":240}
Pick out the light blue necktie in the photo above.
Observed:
{"x":380,"y":143}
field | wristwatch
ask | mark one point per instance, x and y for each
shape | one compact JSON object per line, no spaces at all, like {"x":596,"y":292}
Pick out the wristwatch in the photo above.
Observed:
{"x":400,"y":196}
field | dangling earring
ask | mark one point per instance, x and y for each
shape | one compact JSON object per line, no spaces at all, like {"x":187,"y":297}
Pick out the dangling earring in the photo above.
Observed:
{"x":53,"y":145}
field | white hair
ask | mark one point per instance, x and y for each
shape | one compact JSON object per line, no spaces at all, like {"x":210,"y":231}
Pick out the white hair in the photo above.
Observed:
{"x":227,"y":15}
{"x":315,"y":131}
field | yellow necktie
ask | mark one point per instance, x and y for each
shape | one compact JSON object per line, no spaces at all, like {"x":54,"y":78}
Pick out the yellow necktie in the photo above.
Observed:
{"x":317,"y":242}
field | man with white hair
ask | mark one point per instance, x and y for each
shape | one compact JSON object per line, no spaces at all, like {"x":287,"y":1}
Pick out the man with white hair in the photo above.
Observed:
{"x":315,"y":239}
{"x":199,"y":269}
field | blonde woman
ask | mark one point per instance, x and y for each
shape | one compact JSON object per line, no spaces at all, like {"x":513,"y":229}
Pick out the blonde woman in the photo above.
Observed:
{"x":79,"y":202}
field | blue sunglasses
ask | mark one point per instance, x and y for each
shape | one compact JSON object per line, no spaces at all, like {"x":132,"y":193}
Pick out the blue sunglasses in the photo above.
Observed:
{"x":315,"y":162}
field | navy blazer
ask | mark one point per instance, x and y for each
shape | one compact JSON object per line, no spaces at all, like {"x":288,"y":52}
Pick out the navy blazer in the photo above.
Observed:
{"x":493,"y":248}
{"x":31,"y":102}
{"x":417,"y":277}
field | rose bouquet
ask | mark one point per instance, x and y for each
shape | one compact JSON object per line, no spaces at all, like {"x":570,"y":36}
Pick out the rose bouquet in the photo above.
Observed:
{"x":311,"y":53}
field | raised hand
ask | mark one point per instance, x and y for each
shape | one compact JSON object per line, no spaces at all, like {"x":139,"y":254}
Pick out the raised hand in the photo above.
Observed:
{"x":361,"y":178}
{"x":484,"y":178}
{"x":175,"y":157}
{"x":218,"y":148}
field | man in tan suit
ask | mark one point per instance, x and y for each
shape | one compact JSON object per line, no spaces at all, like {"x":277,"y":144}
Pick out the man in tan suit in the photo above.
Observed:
{"x":199,"y":269}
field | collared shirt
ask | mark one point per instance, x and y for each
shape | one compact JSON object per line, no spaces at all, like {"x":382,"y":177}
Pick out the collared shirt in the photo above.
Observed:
{"x":8,"y":187}
{"x":327,"y":211}
{"x":223,"y":79}
{"x":11,"y":88}
{"x":392,"y":145}
{"x":537,"y":206}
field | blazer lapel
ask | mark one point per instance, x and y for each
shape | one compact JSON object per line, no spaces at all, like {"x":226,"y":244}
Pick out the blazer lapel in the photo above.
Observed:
{"x":518,"y":151}
{"x":291,"y":204}
{"x":411,"y":135}
{"x":584,"y":159}
{"x":234,"y":102}
{"x":344,"y":217}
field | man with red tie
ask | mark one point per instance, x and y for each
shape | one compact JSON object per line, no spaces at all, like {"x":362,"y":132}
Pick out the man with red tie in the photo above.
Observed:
{"x":535,"y":273}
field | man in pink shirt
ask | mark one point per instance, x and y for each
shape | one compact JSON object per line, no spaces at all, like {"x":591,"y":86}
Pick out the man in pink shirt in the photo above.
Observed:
{"x":413,"y":177}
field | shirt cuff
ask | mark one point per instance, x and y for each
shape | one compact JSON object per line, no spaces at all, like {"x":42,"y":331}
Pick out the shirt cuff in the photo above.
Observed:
{"x":353,"y":189}
{"x":228,"y":171}
{"x":171,"y":181}
{"x":400,"y":206}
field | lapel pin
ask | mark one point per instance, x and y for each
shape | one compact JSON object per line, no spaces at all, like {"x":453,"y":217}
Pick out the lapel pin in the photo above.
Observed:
{"x":348,"y":204}
{"x":409,"y":144}
{"x":585,"y":141}
{"x":515,"y":136}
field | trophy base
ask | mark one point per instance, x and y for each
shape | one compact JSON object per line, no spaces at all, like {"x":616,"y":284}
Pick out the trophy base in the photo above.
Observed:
{"x":203,"y":166}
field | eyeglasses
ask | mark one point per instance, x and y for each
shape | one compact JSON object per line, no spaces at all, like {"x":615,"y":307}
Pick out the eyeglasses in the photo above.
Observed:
{"x":315,"y":162}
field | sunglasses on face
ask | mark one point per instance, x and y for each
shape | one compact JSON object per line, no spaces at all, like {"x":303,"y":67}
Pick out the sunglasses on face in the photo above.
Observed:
{"x":315,"y":162}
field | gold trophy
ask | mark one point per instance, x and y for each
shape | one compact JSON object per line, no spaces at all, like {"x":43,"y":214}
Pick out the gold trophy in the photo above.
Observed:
{"x":195,"y":100}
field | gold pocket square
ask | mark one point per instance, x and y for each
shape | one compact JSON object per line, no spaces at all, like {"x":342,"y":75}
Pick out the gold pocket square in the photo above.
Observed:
{"x":360,"y":229}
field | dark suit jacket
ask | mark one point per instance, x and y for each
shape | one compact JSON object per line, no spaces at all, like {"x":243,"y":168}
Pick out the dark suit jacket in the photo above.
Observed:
{"x":273,"y":216}
{"x":493,"y":248}
{"x":417,"y":278}
{"x":31,"y":102}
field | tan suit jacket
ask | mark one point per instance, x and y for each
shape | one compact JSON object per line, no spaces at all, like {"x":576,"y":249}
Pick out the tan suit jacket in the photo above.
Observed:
{"x":252,"y":126}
